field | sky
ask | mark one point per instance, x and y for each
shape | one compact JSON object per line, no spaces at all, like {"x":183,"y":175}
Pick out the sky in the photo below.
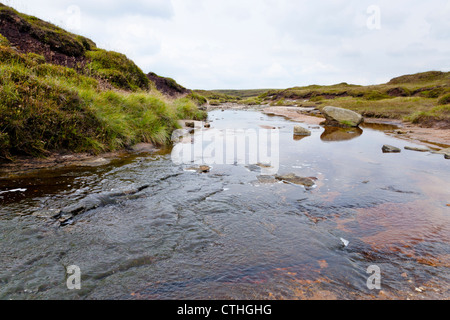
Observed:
{"x":261,"y":44}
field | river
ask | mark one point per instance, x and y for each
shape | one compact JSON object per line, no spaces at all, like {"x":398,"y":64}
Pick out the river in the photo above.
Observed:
{"x":235,"y":232}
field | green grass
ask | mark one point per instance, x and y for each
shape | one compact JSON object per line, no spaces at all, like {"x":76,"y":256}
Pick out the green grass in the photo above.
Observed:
{"x":199,"y":99}
{"x":3,"y":41}
{"x":439,"y":113}
{"x":242,"y":94}
{"x":445,"y":99}
{"x":216,"y":98}
{"x":117,"y":69}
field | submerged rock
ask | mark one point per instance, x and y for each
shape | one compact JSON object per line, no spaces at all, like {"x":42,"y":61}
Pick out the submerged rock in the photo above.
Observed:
{"x":66,"y":215}
{"x":445,"y":152}
{"x":267,"y":179}
{"x":341,"y":117}
{"x":143,"y":148}
{"x":418,"y":149}
{"x":96,"y":162}
{"x":390,"y":149}
{"x":200,"y":169}
{"x":300,"y":131}
{"x":292,"y":178}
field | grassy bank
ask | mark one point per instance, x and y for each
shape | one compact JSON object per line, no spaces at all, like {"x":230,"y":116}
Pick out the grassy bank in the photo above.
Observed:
{"x":46,"y":107}
{"x":59,"y":92}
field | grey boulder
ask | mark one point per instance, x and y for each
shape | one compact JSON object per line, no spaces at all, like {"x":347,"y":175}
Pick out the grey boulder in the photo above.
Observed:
{"x":341,"y":117}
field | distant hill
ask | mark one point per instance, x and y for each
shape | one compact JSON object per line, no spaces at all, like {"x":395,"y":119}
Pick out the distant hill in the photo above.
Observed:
{"x":422,"y":98}
{"x":431,"y":76}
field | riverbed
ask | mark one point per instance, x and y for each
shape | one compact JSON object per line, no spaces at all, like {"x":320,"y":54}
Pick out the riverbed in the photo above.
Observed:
{"x":159,"y":230}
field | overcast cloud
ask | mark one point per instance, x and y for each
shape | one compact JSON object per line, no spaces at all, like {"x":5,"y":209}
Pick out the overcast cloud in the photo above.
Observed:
{"x":244,"y":44}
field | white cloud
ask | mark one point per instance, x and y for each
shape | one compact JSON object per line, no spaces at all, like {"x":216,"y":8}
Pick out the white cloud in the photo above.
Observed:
{"x":263,"y":43}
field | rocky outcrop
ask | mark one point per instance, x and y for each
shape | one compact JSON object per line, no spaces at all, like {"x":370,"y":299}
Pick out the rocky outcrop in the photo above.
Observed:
{"x":339,"y":117}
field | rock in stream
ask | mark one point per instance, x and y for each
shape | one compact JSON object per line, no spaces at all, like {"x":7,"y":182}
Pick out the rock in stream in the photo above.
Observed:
{"x":65,"y":215}
{"x":292,"y":178}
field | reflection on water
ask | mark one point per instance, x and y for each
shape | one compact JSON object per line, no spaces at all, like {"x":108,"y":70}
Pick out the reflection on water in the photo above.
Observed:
{"x":379,"y":126}
{"x":299,"y":138}
{"x":332,"y":134}
{"x":233,"y":233}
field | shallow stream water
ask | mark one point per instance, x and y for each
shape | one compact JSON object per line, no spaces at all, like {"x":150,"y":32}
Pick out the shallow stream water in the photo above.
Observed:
{"x":233,"y":233}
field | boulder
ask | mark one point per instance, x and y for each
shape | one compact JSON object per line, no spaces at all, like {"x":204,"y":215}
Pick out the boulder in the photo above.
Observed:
{"x":390,"y":149}
{"x":300,"y":131}
{"x":341,"y":117}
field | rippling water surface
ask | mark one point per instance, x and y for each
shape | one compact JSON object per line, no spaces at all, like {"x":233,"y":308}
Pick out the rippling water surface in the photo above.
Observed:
{"x":228,"y":234}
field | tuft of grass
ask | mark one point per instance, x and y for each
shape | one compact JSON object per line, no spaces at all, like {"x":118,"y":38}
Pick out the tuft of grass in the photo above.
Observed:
{"x":37,"y":117}
{"x":317,"y":98}
{"x":197,"y":98}
{"x":374,"y":95}
{"x":255,"y":101}
{"x":185,"y":108}
{"x":445,"y":99}
{"x":436,"y":114}
{"x":36,"y":58}
{"x":117,"y":69}
{"x":3,"y":41}
{"x":217,"y":97}
{"x":432,"y":93}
